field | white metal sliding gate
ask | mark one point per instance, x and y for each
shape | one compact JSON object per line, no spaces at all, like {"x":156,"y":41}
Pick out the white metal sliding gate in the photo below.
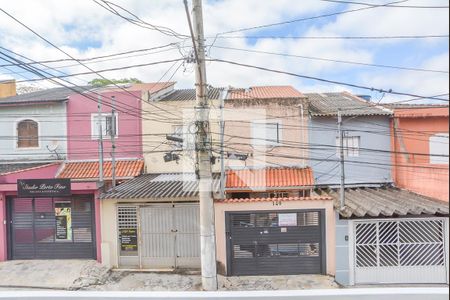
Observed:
{"x":400,"y":251}
{"x":167,"y":236}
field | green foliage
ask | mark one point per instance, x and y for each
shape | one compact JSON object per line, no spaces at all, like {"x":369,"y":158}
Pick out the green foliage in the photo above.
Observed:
{"x":99,"y":82}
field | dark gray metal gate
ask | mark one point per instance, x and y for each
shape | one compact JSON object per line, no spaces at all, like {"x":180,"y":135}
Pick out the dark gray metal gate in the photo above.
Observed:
{"x":52,"y":228}
{"x":276,"y":242}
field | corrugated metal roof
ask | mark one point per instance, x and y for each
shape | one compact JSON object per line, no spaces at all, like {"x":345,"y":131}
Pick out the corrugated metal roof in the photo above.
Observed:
{"x":82,"y":170}
{"x":248,"y":179}
{"x":10,"y":168}
{"x":264,"y":92}
{"x":386,"y":202}
{"x":328,"y":104}
{"x":160,"y":186}
{"x":190,"y":95}
{"x":50,"y":95}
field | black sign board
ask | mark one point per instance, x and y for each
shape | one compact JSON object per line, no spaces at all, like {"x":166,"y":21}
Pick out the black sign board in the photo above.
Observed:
{"x":61,"y":227}
{"x":128,"y":239}
{"x":43,"y":187}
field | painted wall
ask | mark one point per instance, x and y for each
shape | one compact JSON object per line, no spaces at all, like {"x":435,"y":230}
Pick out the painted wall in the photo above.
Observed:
{"x":81,"y":109}
{"x":369,"y":167}
{"x":415,"y":172}
{"x":343,"y":246}
{"x":238,"y":116}
{"x":291,"y":150}
{"x":48,"y":171}
{"x":52,"y":131}
{"x":154,"y":131}
{"x":221,"y":208}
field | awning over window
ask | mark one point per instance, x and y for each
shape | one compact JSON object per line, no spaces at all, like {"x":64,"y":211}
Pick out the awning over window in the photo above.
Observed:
{"x":269,"y":178}
{"x":125,"y":169}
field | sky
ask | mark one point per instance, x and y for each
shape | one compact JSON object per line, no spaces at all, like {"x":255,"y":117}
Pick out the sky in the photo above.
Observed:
{"x":85,"y":30}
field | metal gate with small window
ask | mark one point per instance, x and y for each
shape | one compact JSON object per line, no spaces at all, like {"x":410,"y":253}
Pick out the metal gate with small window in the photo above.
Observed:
{"x":160,"y":236}
{"x":51,"y":228}
{"x":400,"y":251}
{"x":276,"y":243}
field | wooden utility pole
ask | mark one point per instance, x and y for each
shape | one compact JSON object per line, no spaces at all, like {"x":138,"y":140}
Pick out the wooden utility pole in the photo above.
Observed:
{"x":203,"y":152}
{"x":341,"y":161}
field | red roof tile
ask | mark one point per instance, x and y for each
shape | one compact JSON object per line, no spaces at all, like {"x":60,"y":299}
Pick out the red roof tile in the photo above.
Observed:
{"x":265,"y":92}
{"x":269,"y":178}
{"x":249,"y":200}
{"x":89,"y":170}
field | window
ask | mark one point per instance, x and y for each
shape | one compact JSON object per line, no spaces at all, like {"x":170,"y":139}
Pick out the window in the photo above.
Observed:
{"x":27,"y":134}
{"x":266,"y":133}
{"x":351,"y":146}
{"x":108,"y":125}
{"x":439,"y":148}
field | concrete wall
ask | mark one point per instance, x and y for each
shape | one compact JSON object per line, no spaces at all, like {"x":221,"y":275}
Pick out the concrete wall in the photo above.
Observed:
{"x":52,"y":131}
{"x":291,"y":151}
{"x":81,"y":109}
{"x":238,"y":116}
{"x":415,"y":172}
{"x":325,"y":160}
{"x":343,"y":246}
{"x":221,"y":208}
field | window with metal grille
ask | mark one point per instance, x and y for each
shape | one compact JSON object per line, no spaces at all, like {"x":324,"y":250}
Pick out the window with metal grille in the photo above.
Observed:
{"x":351,"y":146}
{"x":127,"y":222}
{"x":108,"y":123}
{"x":27,"y":134}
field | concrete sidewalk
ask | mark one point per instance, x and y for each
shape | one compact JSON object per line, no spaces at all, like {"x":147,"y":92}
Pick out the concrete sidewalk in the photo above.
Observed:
{"x":91,"y":276}
{"x":51,"y":274}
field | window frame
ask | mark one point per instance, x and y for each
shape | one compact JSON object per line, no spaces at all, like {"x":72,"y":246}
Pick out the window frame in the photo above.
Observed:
{"x":93,"y":126}
{"x":347,"y":149}
{"x":266,"y":142}
{"x":16,"y":134}
{"x":438,"y":160}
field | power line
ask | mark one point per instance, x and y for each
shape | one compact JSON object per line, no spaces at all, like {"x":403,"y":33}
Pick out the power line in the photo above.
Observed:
{"x":109,"y":6}
{"x":67,"y":54}
{"x":293,"y":37}
{"x":309,"y":18}
{"x":37,"y":72}
{"x":324,"y":80}
{"x":389,"y":5}
{"x":97,"y":57}
{"x":333,"y":60}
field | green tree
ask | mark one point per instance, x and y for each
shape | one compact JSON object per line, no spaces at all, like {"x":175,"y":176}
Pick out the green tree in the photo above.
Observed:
{"x":99,"y":82}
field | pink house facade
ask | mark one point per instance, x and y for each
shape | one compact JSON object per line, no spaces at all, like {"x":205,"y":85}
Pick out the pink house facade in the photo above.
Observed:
{"x":51,"y":209}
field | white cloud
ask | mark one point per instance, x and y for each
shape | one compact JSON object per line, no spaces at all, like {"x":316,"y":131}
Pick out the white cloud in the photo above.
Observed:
{"x":70,"y":23}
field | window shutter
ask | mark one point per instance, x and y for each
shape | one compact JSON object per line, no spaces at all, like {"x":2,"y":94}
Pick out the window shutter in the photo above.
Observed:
{"x":27,"y":134}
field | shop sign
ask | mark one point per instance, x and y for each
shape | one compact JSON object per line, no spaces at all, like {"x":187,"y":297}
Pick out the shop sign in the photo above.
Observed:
{"x":287,"y":219}
{"x":43,"y":188}
{"x":128,"y":239}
